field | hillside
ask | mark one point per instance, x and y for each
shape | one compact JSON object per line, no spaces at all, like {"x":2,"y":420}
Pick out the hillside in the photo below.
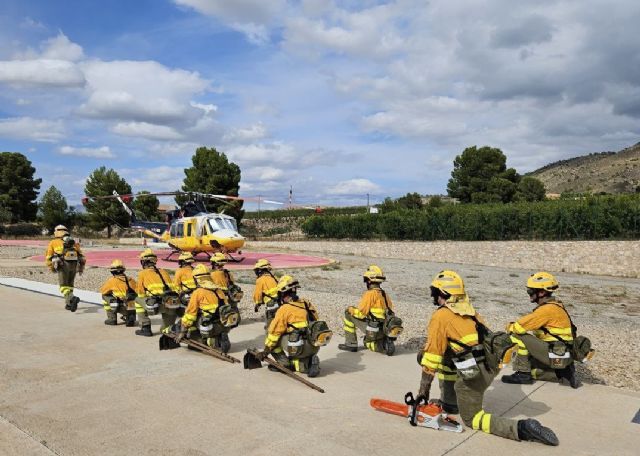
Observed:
{"x":610,"y":172}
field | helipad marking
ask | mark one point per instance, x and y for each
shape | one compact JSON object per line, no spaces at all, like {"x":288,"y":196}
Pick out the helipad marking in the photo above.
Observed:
{"x":90,"y":297}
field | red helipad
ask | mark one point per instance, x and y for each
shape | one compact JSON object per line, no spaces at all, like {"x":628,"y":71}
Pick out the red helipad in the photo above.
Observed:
{"x":103,"y":258}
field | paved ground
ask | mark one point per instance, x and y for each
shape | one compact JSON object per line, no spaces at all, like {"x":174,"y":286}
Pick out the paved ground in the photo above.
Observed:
{"x":72,"y":386}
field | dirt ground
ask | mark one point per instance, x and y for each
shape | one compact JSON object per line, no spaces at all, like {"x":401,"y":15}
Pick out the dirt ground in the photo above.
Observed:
{"x":605,"y":308}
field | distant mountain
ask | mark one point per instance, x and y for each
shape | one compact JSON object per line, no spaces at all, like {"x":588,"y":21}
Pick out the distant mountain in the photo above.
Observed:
{"x":609,"y":172}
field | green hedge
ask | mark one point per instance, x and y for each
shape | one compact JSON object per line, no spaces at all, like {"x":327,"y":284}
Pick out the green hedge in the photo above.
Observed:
{"x":603,"y":217}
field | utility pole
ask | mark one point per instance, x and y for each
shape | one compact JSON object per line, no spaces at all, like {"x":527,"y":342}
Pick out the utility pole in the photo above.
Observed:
{"x":290,"y":195}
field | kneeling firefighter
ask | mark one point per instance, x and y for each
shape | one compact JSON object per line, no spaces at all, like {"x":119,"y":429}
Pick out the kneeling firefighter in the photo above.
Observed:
{"x":295,"y":335}
{"x":374,"y":317}
{"x":550,"y":351}
{"x":265,"y":282}
{"x":156,"y":294}
{"x":119,"y":296}
{"x":208,"y":307}
{"x":224,"y":279}
{"x":466,"y":357}
{"x":183,"y":280}
{"x":65,"y":257}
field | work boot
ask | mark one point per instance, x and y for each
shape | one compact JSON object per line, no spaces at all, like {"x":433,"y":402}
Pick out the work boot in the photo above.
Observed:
{"x":73,"y":303}
{"x":389,"y":347}
{"x":349,"y":348}
{"x":518,"y":378}
{"x":144,"y":331}
{"x":569,"y":374}
{"x":532,"y":431}
{"x":314,"y":367}
{"x":225,"y":343}
{"x":131,"y":318}
{"x":111,"y":322}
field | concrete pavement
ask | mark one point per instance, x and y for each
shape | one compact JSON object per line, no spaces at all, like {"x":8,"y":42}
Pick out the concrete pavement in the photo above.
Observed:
{"x":72,"y":386}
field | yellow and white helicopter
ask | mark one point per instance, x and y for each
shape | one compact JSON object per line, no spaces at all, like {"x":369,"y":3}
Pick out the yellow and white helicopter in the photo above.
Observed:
{"x":191,"y":228}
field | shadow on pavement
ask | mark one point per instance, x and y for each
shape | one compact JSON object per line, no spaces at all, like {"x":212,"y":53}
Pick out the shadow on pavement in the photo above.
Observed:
{"x":343,"y":362}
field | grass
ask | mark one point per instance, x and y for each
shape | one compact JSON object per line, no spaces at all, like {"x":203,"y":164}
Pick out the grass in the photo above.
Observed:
{"x":332,"y":266}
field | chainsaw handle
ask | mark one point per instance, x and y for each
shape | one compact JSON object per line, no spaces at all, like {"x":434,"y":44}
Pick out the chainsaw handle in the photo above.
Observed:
{"x":414,"y":405}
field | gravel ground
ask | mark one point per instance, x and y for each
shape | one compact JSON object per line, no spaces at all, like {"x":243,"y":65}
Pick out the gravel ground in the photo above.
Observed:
{"x":605,"y":308}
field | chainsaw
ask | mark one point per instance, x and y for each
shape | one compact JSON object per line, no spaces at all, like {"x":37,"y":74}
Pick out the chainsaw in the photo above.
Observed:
{"x":419,"y":413}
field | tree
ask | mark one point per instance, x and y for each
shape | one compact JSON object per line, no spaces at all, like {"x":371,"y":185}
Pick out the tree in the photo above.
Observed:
{"x":410,"y":201}
{"x":54,"y":210}
{"x":530,"y":189}
{"x":104,"y":213}
{"x":481,"y":176}
{"x":146,"y":207}
{"x":213,"y":173}
{"x":18,"y":188}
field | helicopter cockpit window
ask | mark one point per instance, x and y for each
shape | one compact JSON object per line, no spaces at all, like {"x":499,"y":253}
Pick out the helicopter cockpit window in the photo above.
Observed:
{"x":213,"y":225}
{"x":180,"y":230}
{"x":172,"y":231}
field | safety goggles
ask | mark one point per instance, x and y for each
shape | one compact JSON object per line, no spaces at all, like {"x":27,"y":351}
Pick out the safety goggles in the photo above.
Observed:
{"x":531,"y":291}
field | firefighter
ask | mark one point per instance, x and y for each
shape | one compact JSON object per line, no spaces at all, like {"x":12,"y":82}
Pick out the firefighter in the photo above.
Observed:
{"x":369,"y":316}
{"x":118,"y":295}
{"x":546,"y":353}
{"x":65,"y":257}
{"x":224,"y":279}
{"x":183,"y":280}
{"x":206,"y":307}
{"x":454,"y":352}
{"x":265,"y":282}
{"x":288,"y":328}
{"x":156,"y":293}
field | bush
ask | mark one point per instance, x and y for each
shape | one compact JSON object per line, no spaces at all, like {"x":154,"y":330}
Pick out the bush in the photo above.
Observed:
{"x":595,"y":217}
{"x":21,"y":229}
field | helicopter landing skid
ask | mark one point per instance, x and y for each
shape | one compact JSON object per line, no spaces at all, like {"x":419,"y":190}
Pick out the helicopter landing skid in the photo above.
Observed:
{"x":234,"y":259}
{"x":173,"y":252}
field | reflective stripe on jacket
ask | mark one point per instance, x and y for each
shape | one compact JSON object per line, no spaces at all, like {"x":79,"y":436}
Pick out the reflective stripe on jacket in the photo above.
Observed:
{"x":150,"y":284}
{"x":549,"y":314}
{"x":117,"y":287}
{"x":264,"y":283}
{"x":56,"y":247}
{"x":183,"y":280}
{"x":445,"y":326}
{"x":372,"y":302}
{"x":289,"y":316}
{"x":203,"y":299}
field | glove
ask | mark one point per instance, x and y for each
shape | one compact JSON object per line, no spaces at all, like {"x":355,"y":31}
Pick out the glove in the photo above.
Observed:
{"x":181,"y":335}
{"x":56,"y":262}
{"x":425,"y":384}
{"x":256,"y":308}
{"x":263,"y":354}
{"x":81,"y":268}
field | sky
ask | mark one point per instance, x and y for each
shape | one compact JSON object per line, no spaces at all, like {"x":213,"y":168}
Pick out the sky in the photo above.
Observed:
{"x":337,"y":99}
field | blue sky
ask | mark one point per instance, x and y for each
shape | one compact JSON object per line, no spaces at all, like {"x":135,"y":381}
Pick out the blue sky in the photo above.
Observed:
{"x":336,"y":98}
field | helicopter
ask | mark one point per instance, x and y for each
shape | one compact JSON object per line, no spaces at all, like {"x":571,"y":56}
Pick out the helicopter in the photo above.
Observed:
{"x":191,"y":228}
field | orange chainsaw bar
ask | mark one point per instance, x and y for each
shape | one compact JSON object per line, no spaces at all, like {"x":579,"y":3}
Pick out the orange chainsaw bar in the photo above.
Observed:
{"x":396,"y":408}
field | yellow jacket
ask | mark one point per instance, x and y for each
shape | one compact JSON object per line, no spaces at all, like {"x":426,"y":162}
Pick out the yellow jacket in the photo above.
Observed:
{"x":183,"y":280}
{"x":203,"y":299}
{"x":549,"y":314}
{"x":372,"y":302}
{"x":222,"y":278}
{"x":56,"y":247}
{"x":150,"y":284}
{"x":289,"y":316}
{"x":446,"y":325}
{"x":264,"y":283}
{"x":117,"y":287}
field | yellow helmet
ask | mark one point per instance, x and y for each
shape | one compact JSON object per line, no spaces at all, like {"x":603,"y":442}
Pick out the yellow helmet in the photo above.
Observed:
{"x":542,"y":281}
{"x":374,"y":274}
{"x":186,"y":257}
{"x":201,"y":270}
{"x":117,"y":266}
{"x":148,"y":256}
{"x":287,"y":283}
{"x":60,"y":230}
{"x":449,"y":282}
{"x":262,"y":264}
{"x":218,"y":258}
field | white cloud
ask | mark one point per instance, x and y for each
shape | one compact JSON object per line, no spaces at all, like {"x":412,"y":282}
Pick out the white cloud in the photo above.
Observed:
{"x":146,"y":130}
{"x":245,"y":135}
{"x":90,"y":152}
{"x":154,"y":179}
{"x":61,"y":48}
{"x":41,"y":72}
{"x":141,"y":91}
{"x":354,"y":187}
{"x":32,"y":129}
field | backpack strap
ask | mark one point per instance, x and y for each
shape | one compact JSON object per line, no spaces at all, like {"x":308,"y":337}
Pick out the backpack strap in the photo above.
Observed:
{"x":164,"y":284}
{"x":574,"y":328}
